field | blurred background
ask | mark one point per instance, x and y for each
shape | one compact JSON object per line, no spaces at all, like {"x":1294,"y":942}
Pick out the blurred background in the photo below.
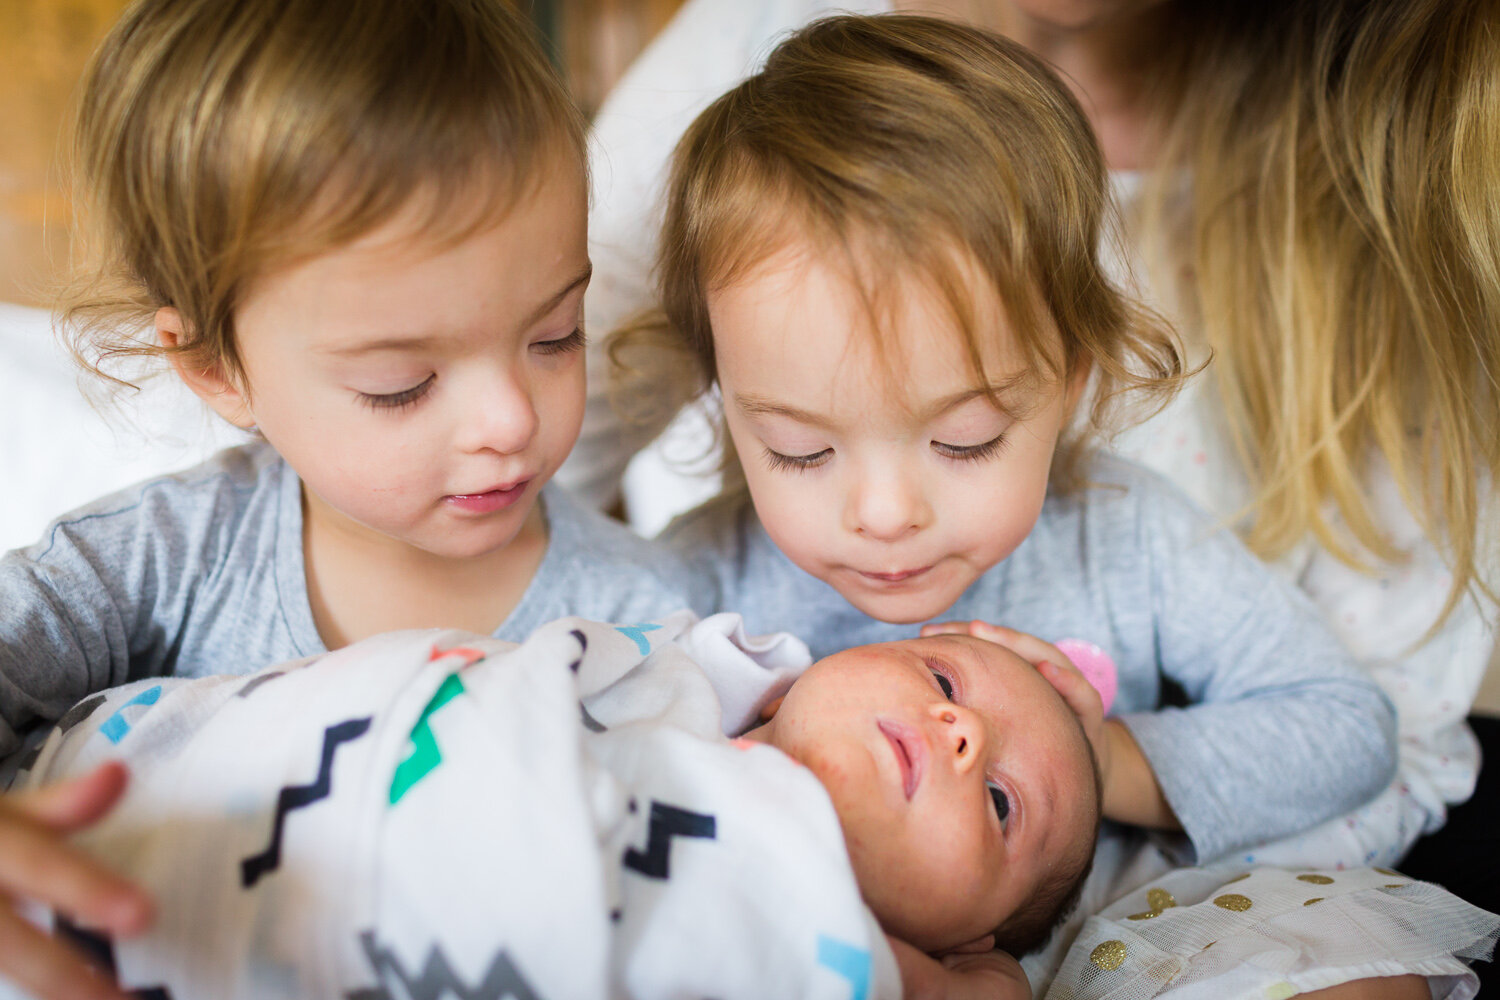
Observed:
{"x":45,"y":43}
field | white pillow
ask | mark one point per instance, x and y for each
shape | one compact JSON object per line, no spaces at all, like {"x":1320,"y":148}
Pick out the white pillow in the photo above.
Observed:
{"x":58,"y":452}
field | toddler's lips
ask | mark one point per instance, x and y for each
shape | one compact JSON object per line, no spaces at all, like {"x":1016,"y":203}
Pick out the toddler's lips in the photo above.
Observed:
{"x":897,"y":577}
{"x":910,"y":751}
{"x":490,"y":500}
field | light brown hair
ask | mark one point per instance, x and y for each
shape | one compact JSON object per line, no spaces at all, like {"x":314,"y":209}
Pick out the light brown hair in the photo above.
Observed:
{"x":900,"y":145}
{"x":215,"y":141}
{"x":1339,"y":247}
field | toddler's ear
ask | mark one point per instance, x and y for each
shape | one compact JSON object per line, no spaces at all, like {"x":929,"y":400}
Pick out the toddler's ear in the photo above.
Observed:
{"x":771,"y":708}
{"x":212,"y":385}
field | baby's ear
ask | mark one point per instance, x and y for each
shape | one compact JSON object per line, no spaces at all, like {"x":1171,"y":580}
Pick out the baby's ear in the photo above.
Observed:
{"x":978,"y":946}
{"x":212,"y":384}
{"x":771,"y":708}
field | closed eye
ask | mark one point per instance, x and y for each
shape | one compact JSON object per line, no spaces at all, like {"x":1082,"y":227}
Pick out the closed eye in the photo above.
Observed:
{"x":398,"y":400}
{"x":574,"y":341}
{"x":971,"y":452}
{"x":797,"y":463}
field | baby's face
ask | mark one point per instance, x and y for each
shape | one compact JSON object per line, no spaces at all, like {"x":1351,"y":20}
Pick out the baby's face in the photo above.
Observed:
{"x":955,"y":807}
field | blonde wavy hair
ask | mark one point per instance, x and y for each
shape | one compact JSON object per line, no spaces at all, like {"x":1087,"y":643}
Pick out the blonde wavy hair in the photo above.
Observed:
{"x":900,"y":145}
{"x":215,"y":141}
{"x":1340,"y":250}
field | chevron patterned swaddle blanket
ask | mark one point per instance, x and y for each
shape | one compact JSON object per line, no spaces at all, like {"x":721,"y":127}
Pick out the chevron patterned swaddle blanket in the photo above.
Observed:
{"x":437,"y":814}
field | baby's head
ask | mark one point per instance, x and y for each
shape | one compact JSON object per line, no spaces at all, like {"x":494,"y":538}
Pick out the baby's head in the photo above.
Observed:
{"x":967,"y":792}
{"x":358,"y":227}
{"x":882,"y":248}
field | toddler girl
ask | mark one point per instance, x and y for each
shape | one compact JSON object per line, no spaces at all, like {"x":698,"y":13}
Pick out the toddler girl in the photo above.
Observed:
{"x":880,"y":251}
{"x":359,"y":231}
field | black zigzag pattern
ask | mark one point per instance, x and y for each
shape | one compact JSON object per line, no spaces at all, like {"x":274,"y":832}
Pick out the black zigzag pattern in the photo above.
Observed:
{"x":583,"y":647}
{"x":101,"y":952}
{"x":667,"y":822}
{"x":79,"y":712}
{"x":590,"y":723}
{"x":297,"y":796}
{"x":256,"y":682}
{"x":503,"y":981}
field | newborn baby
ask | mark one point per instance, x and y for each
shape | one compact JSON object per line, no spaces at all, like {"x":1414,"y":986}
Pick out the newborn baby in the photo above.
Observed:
{"x":431,"y":812}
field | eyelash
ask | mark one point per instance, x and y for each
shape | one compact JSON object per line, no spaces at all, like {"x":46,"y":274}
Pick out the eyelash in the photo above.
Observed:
{"x":398,"y":400}
{"x":959,"y":453}
{"x":796,"y":463}
{"x":408,"y":397}
{"x":574,"y":341}
{"x":998,"y":798}
{"x":972,"y":452}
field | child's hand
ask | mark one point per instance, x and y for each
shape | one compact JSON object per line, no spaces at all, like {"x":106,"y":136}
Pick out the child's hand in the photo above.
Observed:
{"x":35,"y":864}
{"x":986,"y":975}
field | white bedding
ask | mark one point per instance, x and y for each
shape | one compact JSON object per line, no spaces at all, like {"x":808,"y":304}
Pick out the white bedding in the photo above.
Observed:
{"x":58,"y":452}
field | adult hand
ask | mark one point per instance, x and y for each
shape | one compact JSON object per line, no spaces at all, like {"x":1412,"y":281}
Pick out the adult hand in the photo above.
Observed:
{"x":36,"y":864}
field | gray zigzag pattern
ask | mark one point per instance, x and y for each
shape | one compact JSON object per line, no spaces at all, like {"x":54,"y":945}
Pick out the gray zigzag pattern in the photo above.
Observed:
{"x":503,"y":981}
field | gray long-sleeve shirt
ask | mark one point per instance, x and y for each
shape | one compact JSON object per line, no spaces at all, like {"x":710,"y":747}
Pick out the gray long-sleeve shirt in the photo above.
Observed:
{"x":1282,"y":729}
{"x":202,"y":572}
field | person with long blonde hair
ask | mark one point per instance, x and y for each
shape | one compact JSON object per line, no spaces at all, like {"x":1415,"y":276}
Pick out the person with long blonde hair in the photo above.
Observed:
{"x":1306,"y":190}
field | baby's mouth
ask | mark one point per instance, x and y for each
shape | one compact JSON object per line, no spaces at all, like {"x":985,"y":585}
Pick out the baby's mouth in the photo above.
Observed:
{"x":910,"y":751}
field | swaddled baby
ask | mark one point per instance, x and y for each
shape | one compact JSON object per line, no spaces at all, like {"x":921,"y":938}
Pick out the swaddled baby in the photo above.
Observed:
{"x":436,"y":813}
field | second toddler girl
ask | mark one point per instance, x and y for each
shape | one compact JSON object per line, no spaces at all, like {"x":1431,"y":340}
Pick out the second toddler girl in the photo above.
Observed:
{"x":881,"y":250}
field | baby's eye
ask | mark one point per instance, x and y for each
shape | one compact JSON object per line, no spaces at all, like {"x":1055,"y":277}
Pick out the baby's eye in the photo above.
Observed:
{"x":1001,"y":800}
{"x":797,"y":463}
{"x":397,"y":400}
{"x":944,"y":683}
{"x":970,"y":452}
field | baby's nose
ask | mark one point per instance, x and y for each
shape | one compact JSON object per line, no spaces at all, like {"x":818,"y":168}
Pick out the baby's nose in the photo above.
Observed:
{"x":960,"y":733}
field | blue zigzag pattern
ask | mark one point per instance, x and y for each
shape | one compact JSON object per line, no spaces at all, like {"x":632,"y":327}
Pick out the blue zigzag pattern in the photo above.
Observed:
{"x":115,"y":727}
{"x":299,"y":796}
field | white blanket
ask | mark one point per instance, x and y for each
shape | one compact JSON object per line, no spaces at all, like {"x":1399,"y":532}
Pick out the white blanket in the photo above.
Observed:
{"x":434,"y":811}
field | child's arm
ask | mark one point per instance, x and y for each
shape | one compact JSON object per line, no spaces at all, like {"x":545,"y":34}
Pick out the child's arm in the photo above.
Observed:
{"x":990,"y":975}
{"x":36,"y":865}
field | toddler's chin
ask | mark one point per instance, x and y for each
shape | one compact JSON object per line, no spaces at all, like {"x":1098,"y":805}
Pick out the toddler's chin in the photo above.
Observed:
{"x":900,"y":609}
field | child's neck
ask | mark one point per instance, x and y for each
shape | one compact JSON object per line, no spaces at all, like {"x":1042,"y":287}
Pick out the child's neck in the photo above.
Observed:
{"x":360,"y":582}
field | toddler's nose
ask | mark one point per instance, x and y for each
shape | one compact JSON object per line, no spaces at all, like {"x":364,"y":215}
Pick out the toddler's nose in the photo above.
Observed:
{"x":887,"y":506}
{"x":500,"y":418}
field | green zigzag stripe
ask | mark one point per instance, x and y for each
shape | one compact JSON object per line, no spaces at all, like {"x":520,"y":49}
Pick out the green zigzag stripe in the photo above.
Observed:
{"x":425,"y":754}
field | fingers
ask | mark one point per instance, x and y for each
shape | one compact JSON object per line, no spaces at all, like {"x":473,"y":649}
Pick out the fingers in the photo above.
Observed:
{"x":77,"y":802}
{"x":1075,"y":689}
{"x":45,"y":967}
{"x":35,"y":864}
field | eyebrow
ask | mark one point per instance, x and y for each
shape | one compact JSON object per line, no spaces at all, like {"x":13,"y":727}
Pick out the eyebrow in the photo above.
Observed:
{"x":757,"y":405}
{"x":400,"y":343}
